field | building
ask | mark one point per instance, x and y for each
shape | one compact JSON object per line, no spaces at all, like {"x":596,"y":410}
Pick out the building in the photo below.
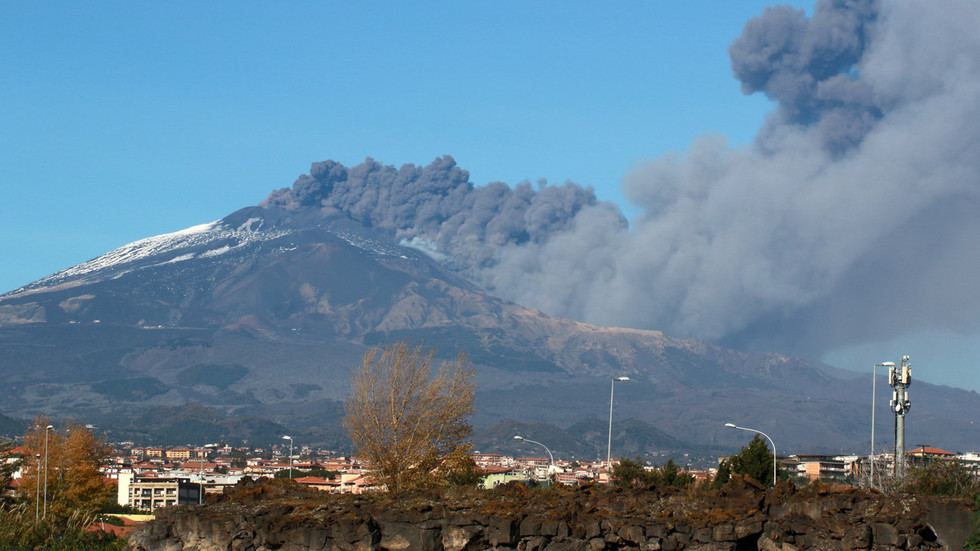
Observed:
{"x":502,"y":475}
{"x":818,"y":467}
{"x":150,"y":493}
{"x":923,"y":454}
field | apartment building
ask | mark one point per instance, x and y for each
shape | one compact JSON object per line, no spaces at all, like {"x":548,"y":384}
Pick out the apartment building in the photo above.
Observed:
{"x":151,"y":493}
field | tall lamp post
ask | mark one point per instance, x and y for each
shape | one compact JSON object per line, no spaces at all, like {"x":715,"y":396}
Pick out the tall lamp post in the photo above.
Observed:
{"x":543,"y":446}
{"x":290,"y":438}
{"x":612,"y":389}
{"x":734,"y":426}
{"x":874,"y":394}
{"x":37,"y":492}
{"x":47,"y":430}
{"x":200,"y":477}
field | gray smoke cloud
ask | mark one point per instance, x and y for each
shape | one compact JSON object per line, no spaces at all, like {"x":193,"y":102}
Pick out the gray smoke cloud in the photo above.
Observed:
{"x":853,"y":216}
{"x":435,"y":208}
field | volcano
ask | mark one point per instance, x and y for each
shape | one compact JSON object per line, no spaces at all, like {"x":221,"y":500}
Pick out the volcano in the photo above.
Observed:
{"x":264,"y":314}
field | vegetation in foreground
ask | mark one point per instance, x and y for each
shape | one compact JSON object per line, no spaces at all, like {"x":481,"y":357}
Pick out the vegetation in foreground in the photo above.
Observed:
{"x":61,"y":492}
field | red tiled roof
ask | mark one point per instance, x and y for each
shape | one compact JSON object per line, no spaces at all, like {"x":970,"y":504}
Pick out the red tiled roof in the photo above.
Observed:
{"x":316,"y":481}
{"x":119,"y":531}
{"x":924,"y":450}
{"x":18,"y":451}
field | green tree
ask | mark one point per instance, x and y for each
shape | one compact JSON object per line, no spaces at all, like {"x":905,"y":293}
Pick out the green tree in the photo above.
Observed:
{"x":404,"y":419}
{"x":670,"y":475}
{"x":754,"y":460}
{"x":634,"y":473}
{"x":631,"y":473}
{"x":461,"y":470}
{"x":723,"y":475}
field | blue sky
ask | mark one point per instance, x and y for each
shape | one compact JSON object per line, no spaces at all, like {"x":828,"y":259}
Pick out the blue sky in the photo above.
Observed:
{"x":121,"y":120}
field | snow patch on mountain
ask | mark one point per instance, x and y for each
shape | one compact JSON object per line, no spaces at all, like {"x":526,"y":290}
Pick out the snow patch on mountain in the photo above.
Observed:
{"x":163,"y":249}
{"x":215,"y":252}
{"x":180,"y":258}
{"x":371,"y":245}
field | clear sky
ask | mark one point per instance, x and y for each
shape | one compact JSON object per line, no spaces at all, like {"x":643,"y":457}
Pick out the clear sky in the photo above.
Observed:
{"x":122,"y":120}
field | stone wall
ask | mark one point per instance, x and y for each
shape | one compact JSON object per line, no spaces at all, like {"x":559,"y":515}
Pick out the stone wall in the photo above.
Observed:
{"x":742,"y":517}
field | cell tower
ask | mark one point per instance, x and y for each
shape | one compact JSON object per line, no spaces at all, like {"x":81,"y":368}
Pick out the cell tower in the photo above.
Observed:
{"x":900,"y":378}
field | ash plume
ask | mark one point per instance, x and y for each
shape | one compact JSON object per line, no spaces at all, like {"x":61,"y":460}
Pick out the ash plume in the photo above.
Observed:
{"x":437,"y":209}
{"x":853,"y":216}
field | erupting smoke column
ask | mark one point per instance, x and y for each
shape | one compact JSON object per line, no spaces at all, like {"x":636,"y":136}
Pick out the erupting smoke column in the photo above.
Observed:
{"x":862,"y":186}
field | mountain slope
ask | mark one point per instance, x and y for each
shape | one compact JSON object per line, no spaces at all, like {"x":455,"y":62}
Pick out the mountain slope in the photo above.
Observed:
{"x":267,"y":311}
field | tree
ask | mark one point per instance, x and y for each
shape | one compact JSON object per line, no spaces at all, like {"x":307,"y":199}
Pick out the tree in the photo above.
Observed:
{"x":942,"y":477}
{"x":634,"y":473}
{"x":461,"y":471}
{"x":630,"y":473}
{"x":754,"y":460}
{"x":670,"y":475}
{"x":73,"y":482}
{"x":404,"y":419}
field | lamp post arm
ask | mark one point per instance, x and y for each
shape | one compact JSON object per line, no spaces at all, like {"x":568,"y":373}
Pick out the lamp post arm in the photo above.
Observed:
{"x":552,"y":457}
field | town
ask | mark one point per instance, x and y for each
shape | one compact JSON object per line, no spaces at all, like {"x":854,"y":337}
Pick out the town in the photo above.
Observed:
{"x":150,"y":478}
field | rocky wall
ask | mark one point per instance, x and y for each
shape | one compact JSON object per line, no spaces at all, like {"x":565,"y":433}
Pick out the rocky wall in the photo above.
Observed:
{"x":741,"y":518}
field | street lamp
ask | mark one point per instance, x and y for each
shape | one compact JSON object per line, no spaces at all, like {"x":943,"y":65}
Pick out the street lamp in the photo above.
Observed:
{"x":612,"y":389}
{"x":48,"y":429}
{"x":200,"y":477}
{"x":874,"y":394}
{"x":543,"y":446}
{"x":37,"y":492}
{"x":734,"y":426}
{"x":290,"y":438}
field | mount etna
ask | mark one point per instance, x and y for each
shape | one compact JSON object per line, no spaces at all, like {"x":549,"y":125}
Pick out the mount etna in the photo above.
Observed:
{"x":250,"y":326}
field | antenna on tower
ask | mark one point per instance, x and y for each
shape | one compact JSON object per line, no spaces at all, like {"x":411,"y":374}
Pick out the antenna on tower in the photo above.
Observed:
{"x":899,"y":378}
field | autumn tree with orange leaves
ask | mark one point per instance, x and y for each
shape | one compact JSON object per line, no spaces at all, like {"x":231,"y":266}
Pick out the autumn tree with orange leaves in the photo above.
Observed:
{"x":74,"y":455}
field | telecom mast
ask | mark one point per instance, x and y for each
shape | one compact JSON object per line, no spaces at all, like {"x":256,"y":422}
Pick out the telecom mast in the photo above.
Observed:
{"x":900,"y":378}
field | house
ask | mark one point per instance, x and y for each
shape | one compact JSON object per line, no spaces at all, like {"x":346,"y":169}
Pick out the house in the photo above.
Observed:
{"x":502,"y":475}
{"x":353,"y":482}
{"x":816,"y":467}
{"x":487,"y":459}
{"x":926,"y":453}
{"x":319,"y":483}
{"x":179,"y":454}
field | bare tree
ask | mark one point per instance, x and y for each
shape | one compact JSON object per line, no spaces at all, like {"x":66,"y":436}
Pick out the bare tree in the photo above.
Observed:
{"x":404,"y":419}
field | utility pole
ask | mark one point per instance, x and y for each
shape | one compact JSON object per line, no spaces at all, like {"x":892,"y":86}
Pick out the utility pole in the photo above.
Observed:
{"x":900,"y":378}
